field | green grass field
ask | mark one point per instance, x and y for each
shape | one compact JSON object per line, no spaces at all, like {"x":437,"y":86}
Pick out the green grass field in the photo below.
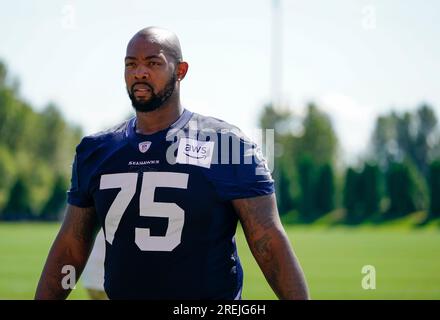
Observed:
{"x":407,"y":261}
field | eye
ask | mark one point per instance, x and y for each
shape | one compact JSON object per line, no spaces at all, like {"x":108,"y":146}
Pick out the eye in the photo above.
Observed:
{"x":129,"y":64}
{"x":153,"y":63}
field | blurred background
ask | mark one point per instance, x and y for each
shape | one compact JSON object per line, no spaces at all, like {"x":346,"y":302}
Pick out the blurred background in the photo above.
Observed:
{"x":350,"y":87}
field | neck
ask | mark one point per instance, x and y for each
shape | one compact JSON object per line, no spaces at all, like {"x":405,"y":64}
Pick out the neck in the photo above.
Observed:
{"x":159,"y":119}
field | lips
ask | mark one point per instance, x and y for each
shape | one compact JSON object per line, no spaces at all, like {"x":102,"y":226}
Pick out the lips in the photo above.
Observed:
{"x":141,"y":87}
{"x":141,"y":90}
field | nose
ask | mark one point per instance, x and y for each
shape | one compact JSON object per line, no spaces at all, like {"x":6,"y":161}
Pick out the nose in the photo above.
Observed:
{"x":141,"y":72}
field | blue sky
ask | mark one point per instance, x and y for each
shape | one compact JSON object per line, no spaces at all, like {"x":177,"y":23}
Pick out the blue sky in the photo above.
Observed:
{"x":356,"y":59}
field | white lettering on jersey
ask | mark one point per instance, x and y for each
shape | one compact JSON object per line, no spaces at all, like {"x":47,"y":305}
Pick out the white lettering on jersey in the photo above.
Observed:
{"x":195,"y":152}
{"x":142,"y":163}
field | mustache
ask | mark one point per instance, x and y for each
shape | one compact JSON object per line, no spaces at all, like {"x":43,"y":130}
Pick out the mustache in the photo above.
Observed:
{"x":144,"y":83}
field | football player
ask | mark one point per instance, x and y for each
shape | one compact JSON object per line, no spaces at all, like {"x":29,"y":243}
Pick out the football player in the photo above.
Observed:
{"x":168,"y":187}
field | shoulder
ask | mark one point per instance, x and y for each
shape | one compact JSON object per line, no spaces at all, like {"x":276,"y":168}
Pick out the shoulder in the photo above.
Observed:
{"x":103,"y":139}
{"x":207,"y":124}
{"x":238,"y":169}
{"x":232,"y":143}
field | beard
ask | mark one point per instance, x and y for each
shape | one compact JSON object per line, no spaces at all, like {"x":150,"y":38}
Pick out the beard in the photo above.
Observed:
{"x":156,"y":100}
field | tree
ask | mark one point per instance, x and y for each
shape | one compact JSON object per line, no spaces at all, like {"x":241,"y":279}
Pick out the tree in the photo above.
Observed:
{"x":52,"y":126}
{"x":406,"y":189}
{"x":319,"y":141}
{"x":306,"y":172}
{"x":275,"y":118}
{"x":56,"y":201}
{"x":35,"y":146}
{"x":7,"y":175}
{"x":400,"y":189}
{"x":284,"y":166}
{"x":371,"y":190}
{"x":3,"y":73}
{"x":298,"y":155}
{"x":426,"y":126}
{"x":315,"y":148}
{"x":384,"y":145}
{"x":19,"y":204}
{"x":325,"y":190}
{"x":284,"y":190}
{"x":435,"y":151}
{"x":406,"y":137}
{"x":350,"y":198}
{"x":434,"y":189}
{"x":362,"y":193}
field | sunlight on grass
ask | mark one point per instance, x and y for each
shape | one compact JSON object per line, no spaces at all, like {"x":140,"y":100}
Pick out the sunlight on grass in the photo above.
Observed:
{"x":406,"y":260}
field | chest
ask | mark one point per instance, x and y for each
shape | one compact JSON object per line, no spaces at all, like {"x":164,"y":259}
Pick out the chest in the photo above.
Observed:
{"x":146,"y":197}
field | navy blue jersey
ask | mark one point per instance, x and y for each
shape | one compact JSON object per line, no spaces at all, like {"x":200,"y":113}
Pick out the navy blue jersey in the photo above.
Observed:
{"x":164,"y":202}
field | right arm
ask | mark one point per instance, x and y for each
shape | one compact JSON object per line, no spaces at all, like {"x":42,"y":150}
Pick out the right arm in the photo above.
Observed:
{"x":72,"y":246}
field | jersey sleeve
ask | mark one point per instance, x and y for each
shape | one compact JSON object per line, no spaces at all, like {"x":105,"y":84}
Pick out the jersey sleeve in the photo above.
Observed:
{"x":78,"y":194}
{"x":244,"y":176}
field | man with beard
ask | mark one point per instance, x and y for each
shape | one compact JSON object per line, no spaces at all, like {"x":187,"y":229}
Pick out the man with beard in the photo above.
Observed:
{"x":168,"y":188}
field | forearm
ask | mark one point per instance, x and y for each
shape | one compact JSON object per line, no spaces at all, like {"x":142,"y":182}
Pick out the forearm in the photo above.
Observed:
{"x":274,"y":255}
{"x":51,"y":284}
{"x":271,"y":247}
{"x":68,"y":255}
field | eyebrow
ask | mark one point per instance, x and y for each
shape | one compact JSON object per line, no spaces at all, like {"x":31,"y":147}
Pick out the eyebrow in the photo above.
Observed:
{"x":146,"y":58}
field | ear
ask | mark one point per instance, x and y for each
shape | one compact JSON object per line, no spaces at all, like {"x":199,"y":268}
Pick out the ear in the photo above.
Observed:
{"x":182,"y":69}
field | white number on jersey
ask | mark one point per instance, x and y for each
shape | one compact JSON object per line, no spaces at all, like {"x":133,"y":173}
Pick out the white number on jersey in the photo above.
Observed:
{"x":147,"y":207}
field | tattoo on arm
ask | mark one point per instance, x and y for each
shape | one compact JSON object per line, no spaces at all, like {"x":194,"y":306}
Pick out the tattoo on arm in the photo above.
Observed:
{"x":263,"y":251}
{"x":270,"y":246}
{"x":257,"y":214}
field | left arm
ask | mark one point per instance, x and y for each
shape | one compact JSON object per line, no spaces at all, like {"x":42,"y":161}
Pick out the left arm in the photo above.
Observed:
{"x":271,"y":247}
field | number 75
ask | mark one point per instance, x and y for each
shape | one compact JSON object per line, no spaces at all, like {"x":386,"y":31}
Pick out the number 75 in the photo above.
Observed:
{"x":147,"y":207}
